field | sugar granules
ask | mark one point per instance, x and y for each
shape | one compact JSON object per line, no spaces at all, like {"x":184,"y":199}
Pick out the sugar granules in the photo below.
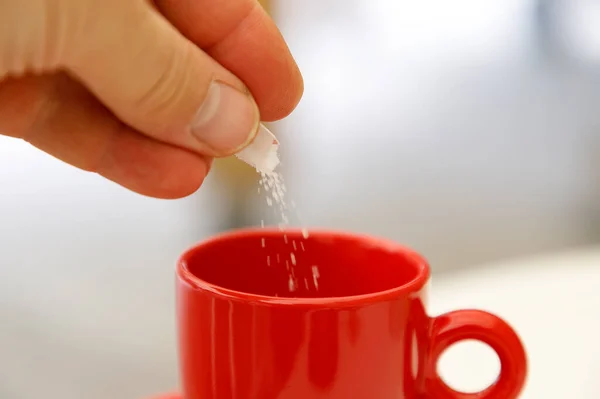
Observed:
{"x":274,"y":188}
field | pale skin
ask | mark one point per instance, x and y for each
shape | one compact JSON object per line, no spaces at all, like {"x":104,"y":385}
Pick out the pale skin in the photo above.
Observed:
{"x":116,"y":87}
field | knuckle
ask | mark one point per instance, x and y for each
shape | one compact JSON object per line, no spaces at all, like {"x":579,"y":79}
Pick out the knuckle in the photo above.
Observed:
{"x":36,"y":34}
{"x":167,"y":93}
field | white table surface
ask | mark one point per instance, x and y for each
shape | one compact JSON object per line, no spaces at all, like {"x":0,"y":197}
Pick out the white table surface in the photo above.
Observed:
{"x":553,"y":302}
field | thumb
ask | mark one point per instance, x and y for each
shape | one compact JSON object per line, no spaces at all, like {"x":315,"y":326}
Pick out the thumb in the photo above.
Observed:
{"x":160,"y":83}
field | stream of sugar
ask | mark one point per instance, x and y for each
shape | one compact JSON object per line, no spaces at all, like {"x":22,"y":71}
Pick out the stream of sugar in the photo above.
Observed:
{"x":274,"y":188}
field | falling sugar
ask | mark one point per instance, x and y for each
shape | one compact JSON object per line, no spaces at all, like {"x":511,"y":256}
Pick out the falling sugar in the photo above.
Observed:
{"x":316,"y":275}
{"x":274,"y":189}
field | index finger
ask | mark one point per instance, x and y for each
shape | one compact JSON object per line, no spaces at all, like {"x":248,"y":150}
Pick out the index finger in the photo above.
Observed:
{"x":242,"y":37}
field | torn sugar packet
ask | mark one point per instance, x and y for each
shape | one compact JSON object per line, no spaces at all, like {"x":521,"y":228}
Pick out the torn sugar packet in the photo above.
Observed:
{"x":262,"y":153}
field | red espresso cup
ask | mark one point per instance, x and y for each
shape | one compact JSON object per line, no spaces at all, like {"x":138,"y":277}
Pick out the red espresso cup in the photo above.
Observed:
{"x":265,"y":314}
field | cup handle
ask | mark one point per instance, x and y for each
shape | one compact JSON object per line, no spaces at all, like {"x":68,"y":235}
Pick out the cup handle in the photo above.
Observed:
{"x":460,"y":325}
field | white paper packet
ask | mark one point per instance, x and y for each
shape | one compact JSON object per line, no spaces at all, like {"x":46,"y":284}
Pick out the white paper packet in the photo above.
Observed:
{"x":262,"y":153}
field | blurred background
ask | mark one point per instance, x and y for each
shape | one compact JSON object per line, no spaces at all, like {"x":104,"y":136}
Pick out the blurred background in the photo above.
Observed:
{"x":467,"y":129}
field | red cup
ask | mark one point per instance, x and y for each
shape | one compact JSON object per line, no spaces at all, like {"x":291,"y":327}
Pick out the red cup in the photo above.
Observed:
{"x":359,"y":332}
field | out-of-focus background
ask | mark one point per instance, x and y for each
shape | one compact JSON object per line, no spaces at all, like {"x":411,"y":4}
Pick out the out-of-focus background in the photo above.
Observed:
{"x":467,"y":129}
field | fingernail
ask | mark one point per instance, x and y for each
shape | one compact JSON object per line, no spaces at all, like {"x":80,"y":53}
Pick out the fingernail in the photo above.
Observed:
{"x":227,"y":120}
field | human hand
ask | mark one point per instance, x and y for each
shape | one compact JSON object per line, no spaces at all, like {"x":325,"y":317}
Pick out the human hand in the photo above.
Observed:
{"x":143,"y":93}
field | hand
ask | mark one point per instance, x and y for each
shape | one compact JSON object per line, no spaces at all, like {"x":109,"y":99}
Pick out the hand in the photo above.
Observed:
{"x":144,"y":94}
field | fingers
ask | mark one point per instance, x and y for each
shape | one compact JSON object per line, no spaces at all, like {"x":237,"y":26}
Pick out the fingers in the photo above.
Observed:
{"x":242,"y":38}
{"x":160,"y":83}
{"x":59,"y":116}
{"x":157,"y":94}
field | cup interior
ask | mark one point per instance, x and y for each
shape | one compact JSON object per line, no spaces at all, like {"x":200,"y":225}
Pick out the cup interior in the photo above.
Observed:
{"x":288,"y":264}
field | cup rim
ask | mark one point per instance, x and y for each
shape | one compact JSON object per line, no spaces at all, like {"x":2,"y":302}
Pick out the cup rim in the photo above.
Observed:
{"x":413,"y":285}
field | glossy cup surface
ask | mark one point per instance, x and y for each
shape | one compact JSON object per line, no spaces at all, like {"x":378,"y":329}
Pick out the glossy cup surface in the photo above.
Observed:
{"x":358,"y":329}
